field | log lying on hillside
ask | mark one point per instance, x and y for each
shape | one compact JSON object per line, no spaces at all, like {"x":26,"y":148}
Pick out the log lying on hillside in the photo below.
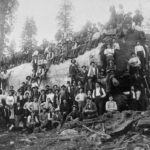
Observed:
{"x":112,"y":123}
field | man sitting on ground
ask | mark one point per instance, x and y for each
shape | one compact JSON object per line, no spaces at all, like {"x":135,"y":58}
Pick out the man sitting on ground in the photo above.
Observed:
{"x":43,"y":118}
{"x":57,"y":118}
{"x":90,"y":109}
{"x":74,"y":115}
{"x":111,"y":105}
{"x":64,"y":109}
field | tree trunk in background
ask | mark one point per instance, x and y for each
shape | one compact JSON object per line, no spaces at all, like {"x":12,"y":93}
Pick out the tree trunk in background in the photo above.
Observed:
{"x":2,"y":31}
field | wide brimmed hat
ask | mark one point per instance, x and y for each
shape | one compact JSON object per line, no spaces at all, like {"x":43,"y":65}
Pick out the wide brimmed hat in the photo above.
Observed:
{"x":42,"y":90}
{"x":47,"y":86}
{"x":35,"y":87}
{"x":27,"y":92}
{"x":74,"y":106}
{"x":63,"y":86}
{"x":28,"y":77}
{"x":83,"y":66}
{"x":73,"y":60}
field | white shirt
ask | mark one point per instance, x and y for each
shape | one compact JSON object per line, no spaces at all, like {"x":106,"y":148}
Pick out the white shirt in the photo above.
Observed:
{"x":91,"y":72}
{"x":50,"y":96}
{"x":111,"y":106}
{"x":135,"y":62}
{"x":46,"y":50}
{"x":133,"y":94}
{"x":34,"y":84}
{"x":35,"y":53}
{"x":10,"y":100}
{"x":74,"y":46}
{"x":139,"y":48}
{"x":81,"y":97}
{"x":97,"y":92}
{"x":28,"y":105}
{"x":35,"y":106}
{"x":116,"y":46}
{"x":47,"y":105}
{"x":109,"y":51}
{"x":94,"y":70}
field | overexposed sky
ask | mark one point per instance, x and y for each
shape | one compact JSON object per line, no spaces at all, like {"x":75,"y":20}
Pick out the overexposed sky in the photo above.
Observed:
{"x":44,"y":13}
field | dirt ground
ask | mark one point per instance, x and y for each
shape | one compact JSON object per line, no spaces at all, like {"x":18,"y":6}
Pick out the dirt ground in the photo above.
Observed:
{"x":120,"y":131}
{"x":51,"y":141}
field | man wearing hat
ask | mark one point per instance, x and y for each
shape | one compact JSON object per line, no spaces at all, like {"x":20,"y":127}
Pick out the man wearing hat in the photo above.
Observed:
{"x":43,"y":118}
{"x":47,"y":89}
{"x":42,"y":97}
{"x":11,"y":89}
{"x":56,"y":99}
{"x":98,"y":95}
{"x":28,"y":80}
{"x":111,"y":105}
{"x":35,"y":92}
{"x":10,"y":101}
{"x":50,"y":96}
{"x":74,"y":115}
{"x":55,"y":87}
{"x":90,"y":110}
{"x":64,"y":109}
{"x":35,"y":61}
{"x":92,"y":75}
{"x":23,"y":87}
{"x":34,"y":83}
{"x":73,"y":70}
{"x":20,"y":97}
{"x":57,"y":118}
{"x":84,"y":73}
{"x":63,"y":93}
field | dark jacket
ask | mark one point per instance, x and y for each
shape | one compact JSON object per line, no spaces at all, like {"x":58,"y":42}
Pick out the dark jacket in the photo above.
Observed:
{"x":64,"y":108}
{"x":5,"y":113}
{"x":18,"y":111}
{"x":73,"y":70}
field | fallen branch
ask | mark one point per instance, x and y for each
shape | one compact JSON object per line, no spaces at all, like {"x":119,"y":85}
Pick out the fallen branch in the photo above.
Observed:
{"x":104,"y":135}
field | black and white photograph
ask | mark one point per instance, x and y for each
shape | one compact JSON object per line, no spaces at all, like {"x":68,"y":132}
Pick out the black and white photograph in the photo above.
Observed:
{"x":74,"y":74}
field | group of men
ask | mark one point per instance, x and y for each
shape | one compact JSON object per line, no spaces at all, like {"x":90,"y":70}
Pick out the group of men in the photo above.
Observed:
{"x":30,"y":108}
{"x":89,"y":93}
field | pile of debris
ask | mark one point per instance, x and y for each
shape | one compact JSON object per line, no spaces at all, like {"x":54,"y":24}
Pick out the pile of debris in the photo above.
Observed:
{"x":128,"y":130}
